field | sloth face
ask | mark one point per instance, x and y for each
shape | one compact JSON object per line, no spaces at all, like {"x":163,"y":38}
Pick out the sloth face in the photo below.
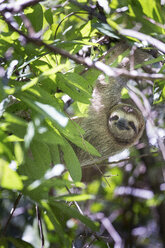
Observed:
{"x":125,"y":123}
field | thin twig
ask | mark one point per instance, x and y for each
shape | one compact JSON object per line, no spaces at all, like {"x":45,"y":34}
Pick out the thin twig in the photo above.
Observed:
{"x":67,"y":16}
{"x":76,"y":204}
{"x":89,"y":245}
{"x":154,"y":22}
{"x":40,"y":226}
{"x":11,"y":213}
{"x":104,"y":161}
{"x":146,"y":110}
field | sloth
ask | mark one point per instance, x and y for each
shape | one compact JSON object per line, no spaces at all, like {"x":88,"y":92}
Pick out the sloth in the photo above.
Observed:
{"x":111,"y":124}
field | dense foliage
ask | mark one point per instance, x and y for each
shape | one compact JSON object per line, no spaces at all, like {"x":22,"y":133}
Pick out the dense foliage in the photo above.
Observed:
{"x":48,"y":51}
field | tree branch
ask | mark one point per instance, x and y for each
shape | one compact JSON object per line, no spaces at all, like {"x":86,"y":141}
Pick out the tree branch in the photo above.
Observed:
{"x":17,"y":6}
{"x":109,"y":71}
{"x":143,"y":37}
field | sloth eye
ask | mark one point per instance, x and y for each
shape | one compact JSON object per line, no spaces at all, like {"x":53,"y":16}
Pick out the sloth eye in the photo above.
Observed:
{"x":114,"y":118}
{"x":131,"y":124}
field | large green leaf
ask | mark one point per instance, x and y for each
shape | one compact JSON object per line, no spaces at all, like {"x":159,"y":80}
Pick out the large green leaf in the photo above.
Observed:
{"x":152,"y":9}
{"x":71,"y":212}
{"x":37,"y":161}
{"x":70,"y":85}
{"x":56,"y":222}
{"x":105,"y":29}
{"x":19,"y":243}
{"x":74,"y":133}
{"x":35,"y":15}
{"x":71,"y":161}
{"x":47,"y":110}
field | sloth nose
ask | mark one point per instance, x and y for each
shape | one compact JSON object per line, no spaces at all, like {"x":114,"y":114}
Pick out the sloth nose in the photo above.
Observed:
{"x":122,"y":124}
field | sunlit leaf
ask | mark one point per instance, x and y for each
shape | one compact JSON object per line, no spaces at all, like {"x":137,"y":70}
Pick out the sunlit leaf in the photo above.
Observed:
{"x":18,"y":153}
{"x":53,"y":113}
{"x":74,"y":197}
{"x":9,"y":178}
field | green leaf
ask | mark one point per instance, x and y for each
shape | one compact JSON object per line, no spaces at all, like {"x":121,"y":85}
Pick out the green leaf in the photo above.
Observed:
{"x":71,"y":86}
{"x":35,"y":15}
{"x":18,"y":153}
{"x":70,"y":212}
{"x":3,"y":242}
{"x":37,"y":161}
{"x":49,"y":16}
{"x":78,"y":81}
{"x":52,"y":113}
{"x":41,"y":156}
{"x":9,"y":178}
{"x":16,"y":126}
{"x":86,"y":29}
{"x":80,"y":142}
{"x":47,"y":111}
{"x":14,"y":119}
{"x":55,"y":221}
{"x":12,"y":138}
{"x":39,"y":189}
{"x":74,"y":197}
{"x":49,"y":137}
{"x":152,"y":9}
{"x":19,"y":243}
{"x":74,"y":133}
{"x":159,"y":91}
{"x":151,"y":61}
{"x":43,"y":76}
{"x":55,"y":154}
{"x":71,"y":161}
{"x":105,"y":29}
{"x":91,"y":76}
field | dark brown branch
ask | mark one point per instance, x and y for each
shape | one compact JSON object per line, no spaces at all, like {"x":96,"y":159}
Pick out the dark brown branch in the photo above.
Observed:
{"x":40,"y":226}
{"x":11,"y":213}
